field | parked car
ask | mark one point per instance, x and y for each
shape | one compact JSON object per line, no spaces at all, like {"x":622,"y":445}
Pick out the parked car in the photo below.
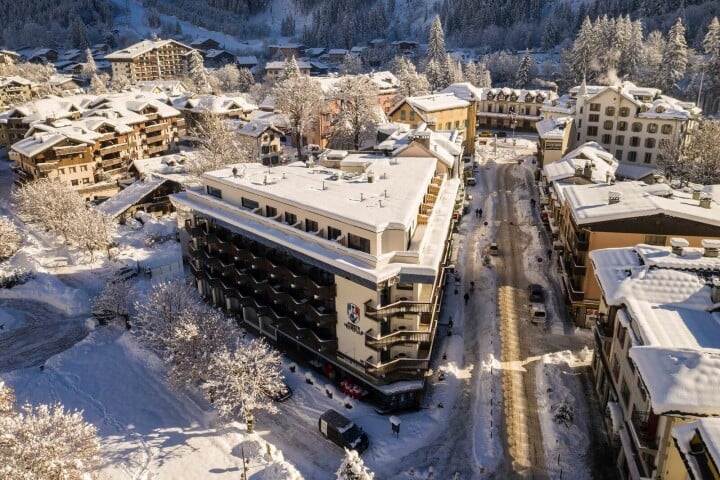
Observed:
{"x":538,"y":314}
{"x":494,"y":250}
{"x":126,"y":273}
{"x":485,"y":133}
{"x":501,"y":134}
{"x":470,"y":181}
{"x":342,"y":431}
{"x":536,"y":293}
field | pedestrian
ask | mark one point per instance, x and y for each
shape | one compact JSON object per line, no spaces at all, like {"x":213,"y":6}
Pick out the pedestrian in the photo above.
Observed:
{"x":466,"y":297}
{"x":549,"y":254}
{"x":480,"y":212}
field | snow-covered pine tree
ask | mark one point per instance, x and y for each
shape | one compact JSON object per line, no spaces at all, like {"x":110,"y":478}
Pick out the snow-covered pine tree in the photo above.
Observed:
{"x":291,"y":70}
{"x":218,"y":145}
{"x":711,"y":46}
{"x":351,"y":65}
{"x":353,"y":468}
{"x":583,"y":51}
{"x":241,"y":379}
{"x":300,"y":98}
{"x":410,"y":82}
{"x":196,"y":72}
{"x":119,"y":81}
{"x":228,"y":77}
{"x":631,"y":58}
{"x":522,"y":78}
{"x":9,"y":238}
{"x":437,"y":64}
{"x":90,"y":68}
{"x":358,"y":113}
{"x":674,"y":59}
{"x":45,"y":441}
{"x":651,"y":70}
{"x":245,"y":80}
{"x":701,"y":154}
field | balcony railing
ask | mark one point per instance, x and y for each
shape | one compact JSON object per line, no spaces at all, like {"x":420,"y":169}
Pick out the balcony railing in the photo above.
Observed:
{"x":396,"y":338}
{"x":645,"y":428}
{"x":397,"y":308}
{"x":572,"y":268}
{"x":573,"y":294}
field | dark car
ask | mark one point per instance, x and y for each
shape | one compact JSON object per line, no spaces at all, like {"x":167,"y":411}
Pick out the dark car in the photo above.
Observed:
{"x":280,"y":394}
{"x":342,"y":431}
{"x":536,"y":293}
{"x":501,"y":134}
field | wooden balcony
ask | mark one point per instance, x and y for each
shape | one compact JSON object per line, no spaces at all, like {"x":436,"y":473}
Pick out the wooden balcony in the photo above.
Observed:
{"x":155,"y":128}
{"x":118,"y":147}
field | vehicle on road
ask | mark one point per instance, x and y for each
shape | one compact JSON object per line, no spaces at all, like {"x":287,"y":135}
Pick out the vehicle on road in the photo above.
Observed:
{"x":501,"y":134}
{"x":538,"y":314}
{"x":494,"y":250}
{"x":470,"y":181}
{"x":485,"y":133}
{"x":126,"y":273}
{"x":342,"y":431}
{"x":536,"y":293}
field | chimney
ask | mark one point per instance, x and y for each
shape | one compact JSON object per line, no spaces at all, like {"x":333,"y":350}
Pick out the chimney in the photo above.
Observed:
{"x":614,"y":197}
{"x":711,"y":247}
{"x":705,"y":200}
{"x":696,"y":193}
{"x":578,"y":171}
{"x":587,"y":171}
{"x":678,"y":245}
{"x":715,"y":293}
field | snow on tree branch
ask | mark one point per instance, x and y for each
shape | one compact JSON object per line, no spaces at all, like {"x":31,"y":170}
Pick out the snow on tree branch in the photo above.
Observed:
{"x":9,"y":238}
{"x":353,"y":468}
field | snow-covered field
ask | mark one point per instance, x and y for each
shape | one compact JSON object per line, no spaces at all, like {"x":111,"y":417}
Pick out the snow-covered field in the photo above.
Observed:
{"x":149,"y":430}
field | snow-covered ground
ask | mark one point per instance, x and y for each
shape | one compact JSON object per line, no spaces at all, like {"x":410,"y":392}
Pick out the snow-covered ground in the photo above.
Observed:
{"x":149,"y":430}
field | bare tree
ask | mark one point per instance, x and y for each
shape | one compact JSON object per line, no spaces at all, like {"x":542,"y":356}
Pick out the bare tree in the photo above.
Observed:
{"x":300,"y":98}
{"x":359,"y":111}
{"x":45,"y":441}
{"x":241,"y":379}
{"x":219,"y":145}
{"x":228,"y":77}
{"x":9,"y":238}
{"x":114,"y":302}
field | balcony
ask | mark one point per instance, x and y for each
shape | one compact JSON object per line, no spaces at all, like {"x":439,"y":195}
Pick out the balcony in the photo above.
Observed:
{"x":573,"y":269}
{"x":574,"y":294}
{"x":152,"y":149}
{"x":118,"y":147}
{"x":398,"y":308}
{"x":579,"y":243}
{"x":155,"y":128}
{"x":397,"y":338}
{"x":399,"y":369}
{"x":644,"y":430}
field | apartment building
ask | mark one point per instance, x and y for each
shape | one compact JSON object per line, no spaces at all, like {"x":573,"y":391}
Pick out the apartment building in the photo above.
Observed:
{"x":275,"y":69}
{"x":151,"y":60}
{"x":93,"y":147}
{"x":508,"y":108}
{"x":585,"y":218}
{"x":631,"y":122}
{"x":657,"y":354}
{"x":16,"y":89}
{"x":263,"y":142}
{"x":342,"y":262}
{"x":193,"y":106}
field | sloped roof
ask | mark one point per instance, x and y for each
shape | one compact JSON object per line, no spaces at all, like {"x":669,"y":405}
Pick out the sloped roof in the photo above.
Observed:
{"x":128,"y":53}
{"x":601,"y":161}
{"x":130,"y":195}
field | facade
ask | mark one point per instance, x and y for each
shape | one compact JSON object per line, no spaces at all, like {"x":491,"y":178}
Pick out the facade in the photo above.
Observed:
{"x":508,"y":108}
{"x":193,"y":106}
{"x":584,"y":218}
{"x":554,"y":139}
{"x":343,"y":263}
{"x":92,"y":148}
{"x":151,"y":60}
{"x":274,"y":70}
{"x":286,"y":50}
{"x":263,"y":140}
{"x":697,"y":444}
{"x":16,"y":90}
{"x":631,"y":122}
{"x":218,"y":58}
{"x":657,"y":354}
{"x":9,"y":57}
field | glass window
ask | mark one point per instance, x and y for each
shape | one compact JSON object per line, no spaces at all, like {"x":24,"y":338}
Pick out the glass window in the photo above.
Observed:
{"x":624,"y":112}
{"x":620,"y":140}
{"x":634,"y":141}
{"x":71,"y":169}
{"x":637,"y":127}
{"x":251,"y":204}
{"x":657,"y":240}
{"x":622,"y":126}
{"x":311,"y":225}
{"x":333,"y":233}
{"x":649,"y":143}
{"x":608,"y":125}
{"x":594,"y":107}
{"x":290,"y":218}
{"x":215,"y":192}
{"x":667,"y":129}
{"x":593,"y":117}
{"x":652,"y":127}
{"x":648,"y":158}
{"x":632,"y":156}
{"x":61,"y":171}
{"x":457,"y":123}
{"x":618,"y":154}
{"x":592,"y":131}
{"x":402,"y":115}
{"x":83,"y":168}
{"x":609,"y":111}
{"x":448,"y":125}
{"x":606,"y":138}
{"x":412,"y":114}
{"x":73,"y":183}
{"x":270,"y":212}
{"x":358,"y":243}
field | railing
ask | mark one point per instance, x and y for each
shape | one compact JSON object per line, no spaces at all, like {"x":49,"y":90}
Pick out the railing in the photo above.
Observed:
{"x":573,"y":294}
{"x":404,"y":368}
{"x":397,"y":308}
{"x":580,"y":244}
{"x":402,"y":336}
{"x":119,"y":147}
{"x":155,"y":128}
{"x":645,"y":428}
{"x":572,"y":268}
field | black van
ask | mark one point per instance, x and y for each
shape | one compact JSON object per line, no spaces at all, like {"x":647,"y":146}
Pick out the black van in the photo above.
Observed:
{"x":343,"y":432}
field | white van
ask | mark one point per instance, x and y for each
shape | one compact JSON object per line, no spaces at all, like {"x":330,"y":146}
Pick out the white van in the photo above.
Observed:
{"x":538,"y":314}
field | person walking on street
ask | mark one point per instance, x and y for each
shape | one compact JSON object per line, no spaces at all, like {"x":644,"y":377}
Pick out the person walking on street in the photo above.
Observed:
{"x":466,"y":297}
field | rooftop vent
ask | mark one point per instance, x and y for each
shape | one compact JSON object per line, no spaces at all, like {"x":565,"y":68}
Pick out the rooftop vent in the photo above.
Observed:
{"x":705,"y":200}
{"x":678,"y":245}
{"x":587,"y":171}
{"x":696,"y":191}
{"x":614,"y":197}
{"x":711,"y":247}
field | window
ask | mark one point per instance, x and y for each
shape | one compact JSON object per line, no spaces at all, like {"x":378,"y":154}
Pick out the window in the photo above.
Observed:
{"x":448,"y":125}
{"x":73,"y":183}
{"x":358,"y":243}
{"x":658,"y":240}
{"x":618,"y":154}
{"x":624,"y":112}
{"x":404,"y":286}
{"x":402,"y":115}
{"x":593,"y":117}
{"x":270,"y":212}
{"x":465,"y":123}
{"x":620,"y":140}
{"x":290,"y":218}
{"x":83,"y":168}
{"x":616,"y":370}
{"x":637,"y":127}
{"x":311,"y":225}
{"x":457,"y":123}
{"x":632,"y":156}
{"x":251,"y":204}
{"x":594,"y":107}
{"x":652,"y":127}
{"x":61,"y":171}
{"x":609,"y":111}
{"x":648,"y":158}
{"x":666,"y":129}
{"x":412,"y":114}
{"x":625,"y":392}
{"x":592,"y":131}
{"x":608,"y":125}
{"x":621,"y":336}
{"x":606,"y":138}
{"x":71,"y":169}
{"x":634,"y":141}
{"x":649,"y":143}
{"x":622,"y":126}
{"x":333,"y":233}
{"x":86,"y":180}
{"x":215,"y":192}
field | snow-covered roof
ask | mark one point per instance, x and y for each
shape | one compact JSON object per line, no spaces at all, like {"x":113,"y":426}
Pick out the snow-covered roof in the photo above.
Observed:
{"x":172,"y":167}
{"x":553,"y":128}
{"x":520,"y":93}
{"x":437,"y":102}
{"x":280,"y":120}
{"x":128,"y":53}
{"x":130,"y":195}
{"x":669,"y":308}
{"x":668,"y":108}
{"x":213,"y":103}
{"x":280,"y":65}
{"x":256,"y":128}
{"x":385,"y":80}
{"x":337,"y":51}
{"x":709,"y":431}
{"x":172,"y":87}
{"x":5,"y":81}
{"x":634,"y":172}
{"x":589,"y":203}
{"x":464,"y":90}
{"x":246,"y":60}
{"x":443,"y":145}
{"x":212,"y":53}
{"x":602,"y":163}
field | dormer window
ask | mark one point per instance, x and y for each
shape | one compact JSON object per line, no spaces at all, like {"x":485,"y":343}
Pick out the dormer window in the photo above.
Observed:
{"x":660,"y":109}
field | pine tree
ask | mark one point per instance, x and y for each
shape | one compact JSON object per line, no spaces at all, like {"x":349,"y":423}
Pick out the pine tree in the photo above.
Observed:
{"x":196,"y":72}
{"x":245,"y":80}
{"x":351,"y":65}
{"x":675,"y":58}
{"x":631,"y":58}
{"x":711,"y":43}
{"x":353,"y":468}
{"x":436,"y":42}
{"x":522,"y":79}
{"x":583,"y":51}
{"x":651,"y":70}
{"x":90,"y":68}
{"x":438,"y":65}
{"x":711,"y":46}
